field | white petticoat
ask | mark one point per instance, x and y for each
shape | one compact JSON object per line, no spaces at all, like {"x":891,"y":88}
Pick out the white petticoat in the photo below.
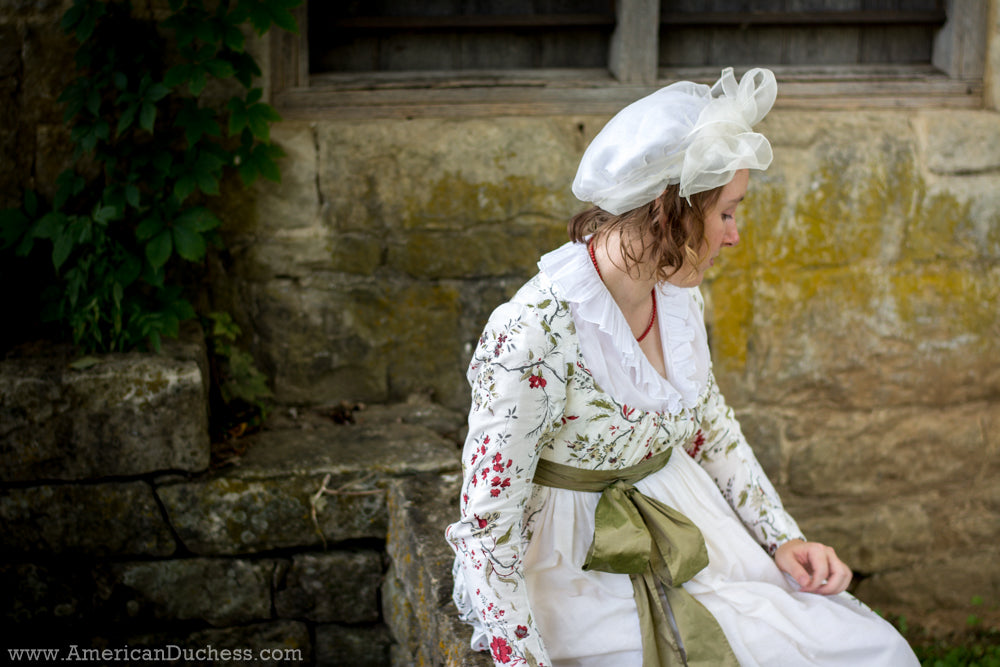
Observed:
{"x":589,"y":619}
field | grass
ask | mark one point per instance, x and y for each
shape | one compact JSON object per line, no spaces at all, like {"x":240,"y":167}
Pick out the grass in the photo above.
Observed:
{"x":978,"y":646}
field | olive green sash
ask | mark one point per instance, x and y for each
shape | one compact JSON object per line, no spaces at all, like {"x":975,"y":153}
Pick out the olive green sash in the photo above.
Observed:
{"x":659,"y":548}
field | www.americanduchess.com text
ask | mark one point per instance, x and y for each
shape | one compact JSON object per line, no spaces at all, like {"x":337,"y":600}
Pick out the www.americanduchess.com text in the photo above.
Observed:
{"x":168,"y":653}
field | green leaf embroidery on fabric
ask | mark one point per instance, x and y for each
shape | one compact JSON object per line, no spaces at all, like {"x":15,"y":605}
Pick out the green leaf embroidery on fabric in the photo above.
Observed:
{"x":602,"y":403}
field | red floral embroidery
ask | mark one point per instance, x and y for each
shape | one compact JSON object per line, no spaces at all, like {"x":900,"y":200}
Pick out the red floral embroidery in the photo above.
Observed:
{"x":521,"y":632}
{"x":536,"y":381}
{"x":497,"y":483}
{"x":695,"y":446}
{"x":501,"y":650}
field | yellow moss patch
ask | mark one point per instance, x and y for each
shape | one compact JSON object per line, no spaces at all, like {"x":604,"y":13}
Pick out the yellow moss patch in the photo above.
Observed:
{"x":454,"y":201}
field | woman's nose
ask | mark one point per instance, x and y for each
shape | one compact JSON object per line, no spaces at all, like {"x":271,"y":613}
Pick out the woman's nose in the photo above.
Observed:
{"x":732,"y":236}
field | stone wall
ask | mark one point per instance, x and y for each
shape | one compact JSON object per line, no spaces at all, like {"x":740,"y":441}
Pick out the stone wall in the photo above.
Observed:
{"x":120,"y":532}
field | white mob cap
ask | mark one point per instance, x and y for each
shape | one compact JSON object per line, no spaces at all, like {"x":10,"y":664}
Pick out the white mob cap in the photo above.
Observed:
{"x":686,"y":133}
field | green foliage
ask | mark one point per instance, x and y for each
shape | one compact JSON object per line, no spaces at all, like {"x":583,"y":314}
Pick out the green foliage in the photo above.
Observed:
{"x":978,"y":647}
{"x":131,"y":221}
{"x":981,"y":652}
{"x":239,"y":379}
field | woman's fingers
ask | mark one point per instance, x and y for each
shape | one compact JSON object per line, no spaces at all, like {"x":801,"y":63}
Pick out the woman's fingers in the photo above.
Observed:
{"x":814,"y":566}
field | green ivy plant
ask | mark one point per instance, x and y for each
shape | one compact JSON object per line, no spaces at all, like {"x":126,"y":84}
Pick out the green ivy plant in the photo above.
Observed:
{"x":240,"y":388}
{"x":130,"y":223}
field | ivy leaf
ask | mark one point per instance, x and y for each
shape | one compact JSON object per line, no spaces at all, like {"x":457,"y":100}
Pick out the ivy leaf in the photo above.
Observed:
{"x":93,"y":103}
{"x":177,"y":75}
{"x":147,"y":116}
{"x":159,"y":249}
{"x":197,"y":122}
{"x":259,"y":118}
{"x":62,"y":247}
{"x":49,"y":226}
{"x":199,"y":219}
{"x":128,"y":269}
{"x":233,"y":38}
{"x":219,"y":68}
{"x":163,"y":161}
{"x":207,"y":171}
{"x":68,"y":184}
{"x":13,"y":225}
{"x":237,"y":116}
{"x":246,"y":68}
{"x":249,"y":113}
{"x":148,"y":228}
{"x":157,"y":92}
{"x":72,"y":17}
{"x":205,"y":31}
{"x":197,"y":81}
{"x":132,"y":195}
{"x":189,"y":244}
{"x":84,"y":136}
{"x":266,"y":157}
{"x":127,"y":118}
{"x":284,"y":19}
{"x":105,"y":214}
{"x":184,"y":186}
{"x":260,"y":160}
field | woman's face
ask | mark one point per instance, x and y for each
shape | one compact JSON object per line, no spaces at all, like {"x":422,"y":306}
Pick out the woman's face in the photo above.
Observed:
{"x":720,"y":231}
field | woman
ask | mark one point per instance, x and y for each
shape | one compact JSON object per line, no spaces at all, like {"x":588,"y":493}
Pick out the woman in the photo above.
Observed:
{"x":612,"y":512}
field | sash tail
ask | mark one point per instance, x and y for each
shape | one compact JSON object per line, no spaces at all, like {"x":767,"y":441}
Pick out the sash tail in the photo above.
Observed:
{"x":659,"y":548}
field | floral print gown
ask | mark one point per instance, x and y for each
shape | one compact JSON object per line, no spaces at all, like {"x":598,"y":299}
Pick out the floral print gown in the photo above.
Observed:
{"x":558,"y":375}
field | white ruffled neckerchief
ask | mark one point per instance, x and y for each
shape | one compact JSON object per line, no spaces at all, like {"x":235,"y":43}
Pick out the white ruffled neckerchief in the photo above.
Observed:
{"x":609,"y":348}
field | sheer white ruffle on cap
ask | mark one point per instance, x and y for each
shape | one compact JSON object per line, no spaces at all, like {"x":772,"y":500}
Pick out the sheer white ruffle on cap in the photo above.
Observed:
{"x":686,"y":133}
{"x":609,"y":347}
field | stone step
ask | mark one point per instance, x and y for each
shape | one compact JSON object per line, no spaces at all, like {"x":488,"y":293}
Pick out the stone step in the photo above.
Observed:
{"x":309,"y":485}
{"x":65,"y":418}
{"x":417,"y":595}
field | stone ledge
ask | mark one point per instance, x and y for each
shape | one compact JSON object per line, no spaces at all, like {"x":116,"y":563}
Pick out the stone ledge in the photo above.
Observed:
{"x":417,"y":598}
{"x":266,"y":501}
{"x":107,"y":519}
{"x":124,"y":415}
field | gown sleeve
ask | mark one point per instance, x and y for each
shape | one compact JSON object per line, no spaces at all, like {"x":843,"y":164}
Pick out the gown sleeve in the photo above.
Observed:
{"x":721,"y":449}
{"x":518,"y":380}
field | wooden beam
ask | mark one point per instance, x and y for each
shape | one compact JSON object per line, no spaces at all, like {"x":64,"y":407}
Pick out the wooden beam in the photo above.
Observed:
{"x":634,"y":49}
{"x":870,"y":17}
{"x":503,"y":95}
{"x":471,"y":21}
{"x":960,"y":45}
{"x":289,"y":55}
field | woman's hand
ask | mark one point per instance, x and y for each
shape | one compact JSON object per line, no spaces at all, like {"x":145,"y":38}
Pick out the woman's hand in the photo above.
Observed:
{"x":815,"y":566}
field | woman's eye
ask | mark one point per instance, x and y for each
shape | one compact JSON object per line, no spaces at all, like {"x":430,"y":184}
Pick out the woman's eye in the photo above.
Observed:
{"x":727,"y":216}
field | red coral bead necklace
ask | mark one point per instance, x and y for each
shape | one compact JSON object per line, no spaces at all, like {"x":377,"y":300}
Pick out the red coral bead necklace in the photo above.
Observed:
{"x":652,"y":294}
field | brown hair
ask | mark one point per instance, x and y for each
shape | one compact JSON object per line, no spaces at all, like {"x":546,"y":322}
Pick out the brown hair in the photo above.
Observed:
{"x":669,"y":229}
